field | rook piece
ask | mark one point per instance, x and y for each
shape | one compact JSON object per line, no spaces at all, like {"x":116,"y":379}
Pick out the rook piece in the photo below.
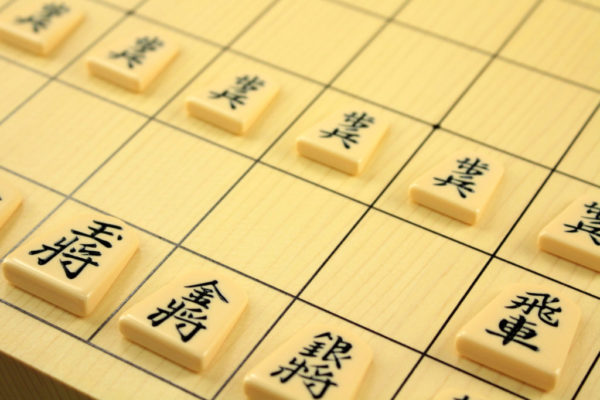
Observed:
{"x":10,"y":199}
{"x":575,"y":233}
{"x":525,"y":332}
{"x":346,"y":140}
{"x":133,"y":62}
{"x":234,"y":103}
{"x":74,"y":264}
{"x":39,"y":27}
{"x":318,"y":362}
{"x":459,"y":187}
{"x":187,"y":320}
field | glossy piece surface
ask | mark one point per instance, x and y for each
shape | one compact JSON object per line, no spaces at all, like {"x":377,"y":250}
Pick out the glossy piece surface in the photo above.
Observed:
{"x":345,"y":140}
{"x":235,"y":102}
{"x":525,"y":332}
{"x":575,"y":233}
{"x":459,"y":187}
{"x":319,"y":362}
{"x":10,"y":199}
{"x":39,"y":27}
{"x":133,"y":62}
{"x":187,"y":320}
{"x":72,"y":265}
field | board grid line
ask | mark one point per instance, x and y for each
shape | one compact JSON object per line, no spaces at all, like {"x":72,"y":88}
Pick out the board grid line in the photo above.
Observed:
{"x":383,"y":106}
{"x":366,"y":100}
{"x":376,"y":199}
{"x":498,"y":248}
{"x":283,"y":171}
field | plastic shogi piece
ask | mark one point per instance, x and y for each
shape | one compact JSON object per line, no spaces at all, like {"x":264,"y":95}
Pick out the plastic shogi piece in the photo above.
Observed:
{"x":187,"y":320}
{"x":234,"y":102}
{"x":133,"y":62}
{"x":575,"y":233}
{"x":317,"y":362}
{"x":73,"y":264}
{"x":460,"y":186}
{"x":39,"y":27}
{"x":525,"y":332}
{"x":346,"y":140}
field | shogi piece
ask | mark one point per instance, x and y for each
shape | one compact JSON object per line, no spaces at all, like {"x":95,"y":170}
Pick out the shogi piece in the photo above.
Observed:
{"x":345,"y":140}
{"x":575,"y":233}
{"x":457,"y":394}
{"x":525,"y":332}
{"x":39,"y":27}
{"x":319,"y":362}
{"x":235,"y":102}
{"x":10,"y":199}
{"x":460,"y":187}
{"x":72,"y":265}
{"x":133,"y":62}
{"x":187,"y":320}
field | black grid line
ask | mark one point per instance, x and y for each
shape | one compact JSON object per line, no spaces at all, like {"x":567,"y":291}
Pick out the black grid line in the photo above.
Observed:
{"x":101,"y":349}
{"x":137,"y":366}
{"x":494,"y":255}
{"x":259,"y":161}
{"x":309,"y":79}
{"x":587,"y":375}
{"x":177,"y":245}
{"x":584,"y":5}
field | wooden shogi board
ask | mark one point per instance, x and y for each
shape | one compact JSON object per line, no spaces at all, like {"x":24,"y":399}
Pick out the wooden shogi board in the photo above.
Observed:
{"x":519,"y":80}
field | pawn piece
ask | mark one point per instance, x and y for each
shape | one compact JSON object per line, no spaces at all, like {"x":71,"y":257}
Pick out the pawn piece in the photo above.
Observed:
{"x":133,"y":62}
{"x":39,"y":27}
{"x":345,"y":140}
{"x":187,"y":320}
{"x":525,"y":332}
{"x":235,"y":102}
{"x":10,"y":199}
{"x":72,"y":265}
{"x":575,"y":233}
{"x":457,"y":394}
{"x":459,"y":187}
{"x":318,"y":362}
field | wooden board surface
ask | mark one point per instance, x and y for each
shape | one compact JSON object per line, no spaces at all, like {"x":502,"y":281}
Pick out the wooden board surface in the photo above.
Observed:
{"x":519,"y":80}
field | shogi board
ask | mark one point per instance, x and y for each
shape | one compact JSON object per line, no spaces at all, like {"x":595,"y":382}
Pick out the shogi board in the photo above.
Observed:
{"x":519,"y":80}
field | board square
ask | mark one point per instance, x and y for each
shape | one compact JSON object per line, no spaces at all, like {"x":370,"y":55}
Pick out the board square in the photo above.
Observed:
{"x":330,"y":32}
{"x":35,"y":138}
{"x":379,"y":381}
{"x":169,"y":171}
{"x":560,"y":38}
{"x":497,"y":276}
{"x":517,"y":186}
{"x":38,"y":202}
{"x":482,"y":25}
{"x":193,"y":55}
{"x":22,"y":84}
{"x":265,"y":304}
{"x":89,"y":30}
{"x":582,"y":159}
{"x":205,"y":18}
{"x":523,"y":112}
{"x":401,"y":139}
{"x":431,"y":376}
{"x":292,"y":98}
{"x":410,"y":279}
{"x":521,"y":247}
{"x":384,"y":7}
{"x":275,"y":228}
{"x":411,"y":70}
{"x":149,"y":254}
